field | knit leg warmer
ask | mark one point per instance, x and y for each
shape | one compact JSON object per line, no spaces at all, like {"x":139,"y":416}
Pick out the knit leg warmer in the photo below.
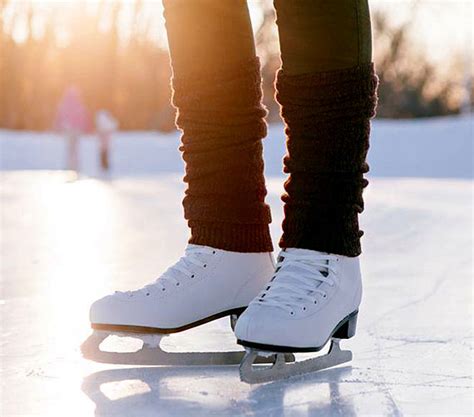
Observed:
{"x":222,"y":121}
{"x":327,"y":118}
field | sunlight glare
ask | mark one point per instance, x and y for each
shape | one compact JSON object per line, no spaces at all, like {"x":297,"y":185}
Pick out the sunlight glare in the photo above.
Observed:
{"x":78,"y":227}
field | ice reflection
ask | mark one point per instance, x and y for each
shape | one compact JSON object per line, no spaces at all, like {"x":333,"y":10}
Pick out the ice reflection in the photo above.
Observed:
{"x":78,"y":224}
{"x":312,"y":395}
{"x":180,"y":391}
{"x":65,"y":244}
{"x":120,"y":389}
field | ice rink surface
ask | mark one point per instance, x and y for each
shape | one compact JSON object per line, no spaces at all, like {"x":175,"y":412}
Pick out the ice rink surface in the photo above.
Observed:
{"x":65,"y":243}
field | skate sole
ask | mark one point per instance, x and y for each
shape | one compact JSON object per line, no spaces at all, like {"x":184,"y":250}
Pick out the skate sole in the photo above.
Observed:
{"x":345,"y":329}
{"x":161,"y":330}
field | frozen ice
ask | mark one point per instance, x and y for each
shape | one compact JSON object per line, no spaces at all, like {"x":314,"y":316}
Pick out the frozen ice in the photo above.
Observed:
{"x":66,"y":242}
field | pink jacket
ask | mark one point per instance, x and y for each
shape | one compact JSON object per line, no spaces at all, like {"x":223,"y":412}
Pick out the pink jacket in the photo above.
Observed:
{"x":72,"y":115}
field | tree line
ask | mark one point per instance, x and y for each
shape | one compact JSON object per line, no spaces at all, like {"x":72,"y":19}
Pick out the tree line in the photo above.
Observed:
{"x":131,"y":77}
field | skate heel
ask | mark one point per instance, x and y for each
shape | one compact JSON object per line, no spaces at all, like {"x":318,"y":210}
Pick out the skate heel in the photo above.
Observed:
{"x":234,"y":316}
{"x":348,"y":328}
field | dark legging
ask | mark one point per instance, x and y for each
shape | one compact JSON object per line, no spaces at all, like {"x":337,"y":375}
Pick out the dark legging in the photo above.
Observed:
{"x":326,"y":89}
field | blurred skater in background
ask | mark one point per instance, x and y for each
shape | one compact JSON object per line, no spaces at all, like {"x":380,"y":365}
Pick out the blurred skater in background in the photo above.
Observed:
{"x":105,"y":125}
{"x":72,"y":121}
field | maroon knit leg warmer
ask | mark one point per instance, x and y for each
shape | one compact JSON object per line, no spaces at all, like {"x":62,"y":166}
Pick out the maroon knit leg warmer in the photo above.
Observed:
{"x":222,"y":120}
{"x":327,"y":118}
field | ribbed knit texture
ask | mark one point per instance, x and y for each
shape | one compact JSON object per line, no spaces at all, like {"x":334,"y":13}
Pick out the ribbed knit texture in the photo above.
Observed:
{"x":222,"y":120}
{"x":327,"y":118}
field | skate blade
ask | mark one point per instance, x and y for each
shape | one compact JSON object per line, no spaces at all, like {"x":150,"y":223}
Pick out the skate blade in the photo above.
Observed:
{"x":279,"y":369}
{"x":152,"y":354}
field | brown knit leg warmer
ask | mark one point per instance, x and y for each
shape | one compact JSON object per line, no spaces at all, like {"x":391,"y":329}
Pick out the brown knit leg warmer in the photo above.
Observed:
{"x":327,"y":119}
{"x":222,"y":120}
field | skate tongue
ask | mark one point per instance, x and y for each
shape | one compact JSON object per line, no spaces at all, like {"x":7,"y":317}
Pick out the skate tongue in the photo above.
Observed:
{"x":190,"y":251}
{"x":294,"y":266}
{"x":171,"y":273}
{"x":191,"y":246}
{"x":299,"y":251}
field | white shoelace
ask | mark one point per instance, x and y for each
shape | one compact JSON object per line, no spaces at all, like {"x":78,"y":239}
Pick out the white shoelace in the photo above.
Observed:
{"x":297,"y":280}
{"x":181,"y":269}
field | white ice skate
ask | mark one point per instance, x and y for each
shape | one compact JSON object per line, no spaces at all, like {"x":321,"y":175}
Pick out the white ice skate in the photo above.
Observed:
{"x":204,"y":285}
{"x":313,"y":298}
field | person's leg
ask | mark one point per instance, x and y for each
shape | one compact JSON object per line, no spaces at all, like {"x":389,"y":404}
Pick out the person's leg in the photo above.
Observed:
{"x":216,"y":82}
{"x":327,"y":91}
{"x":73,"y":157}
{"x":217,"y":91}
{"x":323,"y":35}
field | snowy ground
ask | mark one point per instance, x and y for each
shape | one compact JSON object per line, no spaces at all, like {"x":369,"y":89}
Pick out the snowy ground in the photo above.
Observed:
{"x":64,"y":243}
{"x":435,"y":148}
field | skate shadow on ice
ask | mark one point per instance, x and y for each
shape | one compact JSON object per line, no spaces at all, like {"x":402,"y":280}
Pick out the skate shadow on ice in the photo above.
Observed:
{"x":199,"y":391}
